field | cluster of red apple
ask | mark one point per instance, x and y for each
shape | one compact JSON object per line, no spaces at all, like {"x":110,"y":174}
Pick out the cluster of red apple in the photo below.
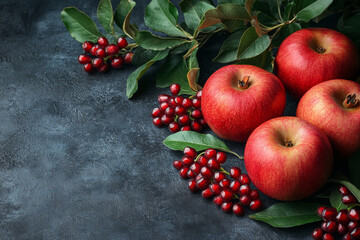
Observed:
{"x":179,"y":113}
{"x":207,"y":175}
{"x":345,"y":222}
{"x":105,"y":54}
{"x":298,"y":152}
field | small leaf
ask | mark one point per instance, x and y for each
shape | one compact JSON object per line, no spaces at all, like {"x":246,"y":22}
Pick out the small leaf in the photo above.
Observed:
{"x":198,"y":141}
{"x":129,"y":29}
{"x":313,"y":10}
{"x":134,"y":77}
{"x":354,"y":168}
{"x":105,"y":16}
{"x":335,"y":200}
{"x":241,"y":2}
{"x":174,"y":70}
{"x":232,"y":16}
{"x":353,"y":189}
{"x":194,"y":72}
{"x":288,"y":9}
{"x":162,"y":16}
{"x":288,"y":214}
{"x":285,"y":32}
{"x":122,"y":10}
{"x":149,"y":41}
{"x":229,"y":48}
{"x":193,"y":11}
{"x":251,"y":45}
{"x":80,"y":26}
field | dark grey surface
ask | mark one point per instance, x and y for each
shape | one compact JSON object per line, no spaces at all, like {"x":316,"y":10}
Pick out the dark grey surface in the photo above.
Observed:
{"x":78,"y":160}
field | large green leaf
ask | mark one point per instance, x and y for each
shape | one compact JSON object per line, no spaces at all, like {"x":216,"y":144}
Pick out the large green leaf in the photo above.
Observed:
{"x":193,"y":11}
{"x":265,"y":61}
{"x":149,"y":41}
{"x":285,"y":32}
{"x":129,"y":29}
{"x":354,"y":168}
{"x":251,"y":45}
{"x":229,"y":48}
{"x":134,"y":77}
{"x":79,"y":25}
{"x":142,"y":56}
{"x":122,"y":11}
{"x":162,"y":16}
{"x":105,"y":16}
{"x":198,"y":141}
{"x":174,"y":70}
{"x":232,"y":16}
{"x":313,"y":10}
{"x":288,"y":214}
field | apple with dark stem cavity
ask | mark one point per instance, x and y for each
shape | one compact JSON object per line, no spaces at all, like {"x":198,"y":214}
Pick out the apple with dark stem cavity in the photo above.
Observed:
{"x":310,"y":56}
{"x":238,"y":98}
{"x":334,"y":106}
{"x":288,"y":158}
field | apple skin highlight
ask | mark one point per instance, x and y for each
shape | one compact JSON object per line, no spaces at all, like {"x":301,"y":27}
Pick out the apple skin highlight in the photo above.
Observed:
{"x":323,"y":107}
{"x":233,"y":113}
{"x":310,"y":56}
{"x":288,"y":173}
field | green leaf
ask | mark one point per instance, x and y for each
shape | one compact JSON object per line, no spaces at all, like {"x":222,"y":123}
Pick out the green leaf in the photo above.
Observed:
{"x":79,"y":25}
{"x":194,"y":70}
{"x":288,"y":214}
{"x":349,"y":25}
{"x":193,"y":11}
{"x":288,"y":10}
{"x":129,"y":29}
{"x":241,"y":2}
{"x":285,"y":32}
{"x":354,"y":168}
{"x":229,"y":48}
{"x":264,"y":61}
{"x":149,"y":41}
{"x":162,"y":16}
{"x":142,"y":56}
{"x":313,"y":10}
{"x":105,"y":16}
{"x":232,"y":16}
{"x":122,"y":11}
{"x":335,"y":199}
{"x":181,"y":48}
{"x":353,"y":189}
{"x":134,"y":77}
{"x":198,"y":141}
{"x":251,"y":45}
{"x":174,"y":70}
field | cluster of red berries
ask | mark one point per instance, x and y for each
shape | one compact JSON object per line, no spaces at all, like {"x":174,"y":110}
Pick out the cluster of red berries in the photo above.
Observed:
{"x":105,"y":54}
{"x":207,"y":175}
{"x":179,"y":113}
{"x":346,"y":223}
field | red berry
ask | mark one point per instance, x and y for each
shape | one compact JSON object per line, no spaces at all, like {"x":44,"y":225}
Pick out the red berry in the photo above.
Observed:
{"x":164,"y":106}
{"x":166,"y":120}
{"x":245,"y":200}
{"x":122,"y":42}
{"x":352,"y":225}
{"x":348,"y":199}
{"x":244,"y":189}
{"x":97,"y":62}
{"x":178,"y":100}
{"x":331,"y":226}
{"x":172,"y":102}
{"x":342,"y":229}
{"x":196,"y":168}
{"x":344,"y":190}
{"x":83,"y":58}
{"x":190,"y":152}
{"x":191,"y":174}
{"x":186,"y":103}
{"x":219,"y":176}
{"x":117,"y":62}
{"x":186,"y":128}
{"x":184,"y":120}
{"x":235,"y":186}
{"x":196,"y":103}
{"x":254,"y":194}
{"x":174,"y":127}
{"x":215,"y":188}
{"x":235,"y":172}
{"x":203,"y":183}
{"x":157,"y":122}
{"x":210,"y":153}
{"x":207,"y":193}
{"x":156,"y":112}
{"x":319,"y":211}
{"x":225,"y":183}
{"x":100,"y":53}
{"x":196,"y":126}
{"x":163,"y":98}
{"x":199,"y":94}
{"x":317,"y":234}
{"x":226,"y":207}
{"x":183,"y":172}
{"x":87,"y":46}
{"x":111,"y":49}
{"x":329,"y":214}
{"x":103,"y":42}
{"x":202,"y":161}
{"x":328,"y":236}
{"x":169,"y":111}
{"x":94,"y":49}
{"x":206,"y":172}
{"x":226,"y":195}
{"x":218,"y":200}
{"x":128,"y":57}
{"x":354,"y":215}
{"x":355,"y":233}
{"x":192,"y":185}
{"x":213,"y":164}
{"x":196,"y":114}
{"x":221,"y":157}
{"x":238,"y":209}
{"x":187,"y":161}
{"x":202,"y":122}
{"x":179,"y":110}
{"x":323,"y":226}
{"x":104,"y":68}
{"x":175,"y":89}
{"x":88,"y":67}
{"x":342,"y":216}
{"x":244,"y":179}
{"x":177,"y":164}
{"x":347,"y":237}
{"x":256,"y":205}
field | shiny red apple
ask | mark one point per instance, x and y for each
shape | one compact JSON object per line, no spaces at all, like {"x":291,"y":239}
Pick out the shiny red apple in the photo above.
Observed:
{"x":310,"y":56}
{"x":288,"y":158}
{"x":334,"y":106}
{"x":238,"y":98}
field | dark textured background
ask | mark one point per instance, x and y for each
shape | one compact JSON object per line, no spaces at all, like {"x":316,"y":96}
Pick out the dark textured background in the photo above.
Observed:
{"x":79,"y":160}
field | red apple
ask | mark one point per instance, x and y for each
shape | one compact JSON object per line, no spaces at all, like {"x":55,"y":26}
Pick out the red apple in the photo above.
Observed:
{"x":288,"y":158}
{"x":327,"y":106}
{"x":238,"y":98}
{"x":310,"y":56}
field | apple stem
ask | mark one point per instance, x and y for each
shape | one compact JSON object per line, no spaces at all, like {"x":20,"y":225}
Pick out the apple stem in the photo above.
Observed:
{"x":350,"y":101}
{"x":320,"y":49}
{"x":243,"y":84}
{"x":289,"y":143}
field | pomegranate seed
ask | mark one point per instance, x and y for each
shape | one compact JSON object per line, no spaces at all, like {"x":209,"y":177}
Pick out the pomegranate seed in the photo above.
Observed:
{"x":128,"y":58}
{"x":196,"y":126}
{"x":87,"y":46}
{"x":347,"y":237}
{"x":186,"y":128}
{"x":191,"y":174}
{"x":117,"y":62}
{"x":163,"y":98}
{"x":156,"y":112}
{"x":329,"y":214}
{"x":226,"y":195}
{"x":354,"y":215}
{"x":317,"y":233}
{"x":328,"y":236}
{"x":206,"y":172}
{"x":104,"y":68}
{"x":225,"y":183}
{"x":344,"y":190}
{"x":355,"y":234}
{"x":184,"y":120}
{"x":192,"y":185}
{"x":166,"y":120}
{"x":199,"y":94}
{"x":235,"y":186}
{"x":187,"y":161}
{"x":196,"y":103}
{"x":254,"y":194}
{"x":179,"y":110}
{"x":244,"y":179}
{"x":219,"y":176}
{"x":175,"y":89}
{"x":97,"y":62}
{"x":245,"y":189}
{"x":103,"y":42}
{"x":169,"y":111}
{"x":88,"y":67}
{"x":203,"y":183}
{"x":245,"y":200}
{"x":157,"y":122}
{"x":179,"y":100}
{"x":164,"y":106}
{"x":348,"y":199}
{"x":94,"y":49}
{"x":221,"y":157}
{"x":235,"y":173}
{"x":352,"y":225}
{"x":83,"y":58}
{"x":111,"y":50}
{"x":172,"y":102}
{"x":319,"y":211}
{"x":186,"y":103}
{"x":342,"y":216}
{"x":210,"y":153}
{"x":122,"y":42}
{"x":207,"y":193}
{"x":238,"y":209}
{"x":196,"y":168}
{"x":213,"y":164}
{"x":226,"y":207}
{"x":196,"y":114}
{"x":218,"y":200}
{"x":183,"y":172}
{"x":215,"y":188}
{"x":202,"y":161}
{"x":331,"y":226}
{"x":323,"y":226}
{"x":342,"y":229}
{"x":174,"y":127}
{"x":190,"y":152}
{"x":256,"y":205}
{"x":100,"y":53}
{"x":177,"y":164}
{"x":202,"y":122}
